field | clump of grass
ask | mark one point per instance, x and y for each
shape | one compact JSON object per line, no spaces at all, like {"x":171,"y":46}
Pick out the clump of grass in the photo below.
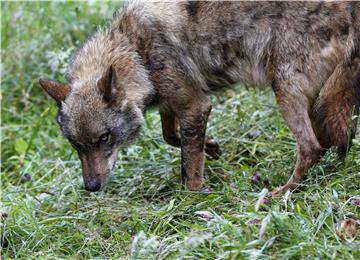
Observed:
{"x":145,"y":212}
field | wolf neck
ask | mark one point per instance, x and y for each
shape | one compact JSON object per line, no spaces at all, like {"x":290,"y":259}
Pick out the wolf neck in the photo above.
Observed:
{"x":107,"y":49}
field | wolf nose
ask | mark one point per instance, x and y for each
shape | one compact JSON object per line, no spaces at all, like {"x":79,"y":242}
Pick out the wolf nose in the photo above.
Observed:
{"x":92,"y":186}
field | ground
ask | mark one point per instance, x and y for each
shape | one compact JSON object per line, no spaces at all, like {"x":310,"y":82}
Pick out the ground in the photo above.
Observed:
{"x":144,"y":212}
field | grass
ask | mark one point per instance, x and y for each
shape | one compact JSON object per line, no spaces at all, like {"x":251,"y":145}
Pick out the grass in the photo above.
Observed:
{"x":144,"y":213}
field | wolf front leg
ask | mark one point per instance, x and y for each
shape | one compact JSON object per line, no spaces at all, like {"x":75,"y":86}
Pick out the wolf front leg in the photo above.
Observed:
{"x":295,"y":105}
{"x":193,"y":122}
{"x":170,"y":128}
{"x":171,"y":134}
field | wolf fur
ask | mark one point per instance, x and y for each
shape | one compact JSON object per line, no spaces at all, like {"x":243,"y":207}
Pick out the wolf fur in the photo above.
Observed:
{"x":174,"y":54}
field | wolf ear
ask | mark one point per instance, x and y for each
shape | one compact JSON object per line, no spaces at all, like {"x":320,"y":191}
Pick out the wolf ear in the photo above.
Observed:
{"x":56,"y":90}
{"x":105,"y":84}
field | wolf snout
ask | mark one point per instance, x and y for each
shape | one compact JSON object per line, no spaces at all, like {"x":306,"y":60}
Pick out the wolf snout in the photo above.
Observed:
{"x":92,"y":185}
{"x":95,"y":170}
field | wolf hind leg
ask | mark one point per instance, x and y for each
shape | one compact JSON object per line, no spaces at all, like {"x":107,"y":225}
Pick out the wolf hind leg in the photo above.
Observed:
{"x":294,"y":108}
{"x":212,"y":148}
{"x":171,"y":134}
{"x":337,"y":103}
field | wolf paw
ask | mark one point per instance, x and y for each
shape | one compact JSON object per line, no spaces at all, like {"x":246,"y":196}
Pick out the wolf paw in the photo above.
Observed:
{"x":283,"y":189}
{"x":278,"y":191}
{"x":212,"y":148}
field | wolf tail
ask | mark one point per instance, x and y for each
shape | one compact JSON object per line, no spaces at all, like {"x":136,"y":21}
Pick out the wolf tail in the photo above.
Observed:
{"x":337,"y":106}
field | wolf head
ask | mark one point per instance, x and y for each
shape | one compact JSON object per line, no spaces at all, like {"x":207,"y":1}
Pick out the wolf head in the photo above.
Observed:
{"x":98,"y":118}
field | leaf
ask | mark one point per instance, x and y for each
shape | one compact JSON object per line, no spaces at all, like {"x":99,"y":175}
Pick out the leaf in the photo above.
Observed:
{"x":347,"y":229}
{"x":20,"y":146}
{"x":171,"y":205}
{"x":261,"y":198}
{"x":264,"y":225}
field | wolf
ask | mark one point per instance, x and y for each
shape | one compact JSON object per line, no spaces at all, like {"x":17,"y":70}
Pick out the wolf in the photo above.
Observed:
{"x":173,"y":55}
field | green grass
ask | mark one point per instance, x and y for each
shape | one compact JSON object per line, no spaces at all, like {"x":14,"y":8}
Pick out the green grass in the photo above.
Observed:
{"x":144,"y":212}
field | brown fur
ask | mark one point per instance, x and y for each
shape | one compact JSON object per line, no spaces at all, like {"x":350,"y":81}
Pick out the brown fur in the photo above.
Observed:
{"x":174,"y":54}
{"x":337,"y":103}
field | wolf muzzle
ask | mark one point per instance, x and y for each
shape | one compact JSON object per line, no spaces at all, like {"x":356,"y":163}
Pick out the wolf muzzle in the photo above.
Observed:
{"x":95,"y":169}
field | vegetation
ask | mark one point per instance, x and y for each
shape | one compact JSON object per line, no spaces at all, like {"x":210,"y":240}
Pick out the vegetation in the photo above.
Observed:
{"x":144,"y":212}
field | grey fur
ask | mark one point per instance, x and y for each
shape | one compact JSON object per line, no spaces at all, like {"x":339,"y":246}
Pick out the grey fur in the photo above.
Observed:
{"x":173,"y":54}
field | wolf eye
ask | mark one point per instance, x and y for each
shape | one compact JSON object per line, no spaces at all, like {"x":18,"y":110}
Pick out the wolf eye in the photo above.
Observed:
{"x":104,"y":138}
